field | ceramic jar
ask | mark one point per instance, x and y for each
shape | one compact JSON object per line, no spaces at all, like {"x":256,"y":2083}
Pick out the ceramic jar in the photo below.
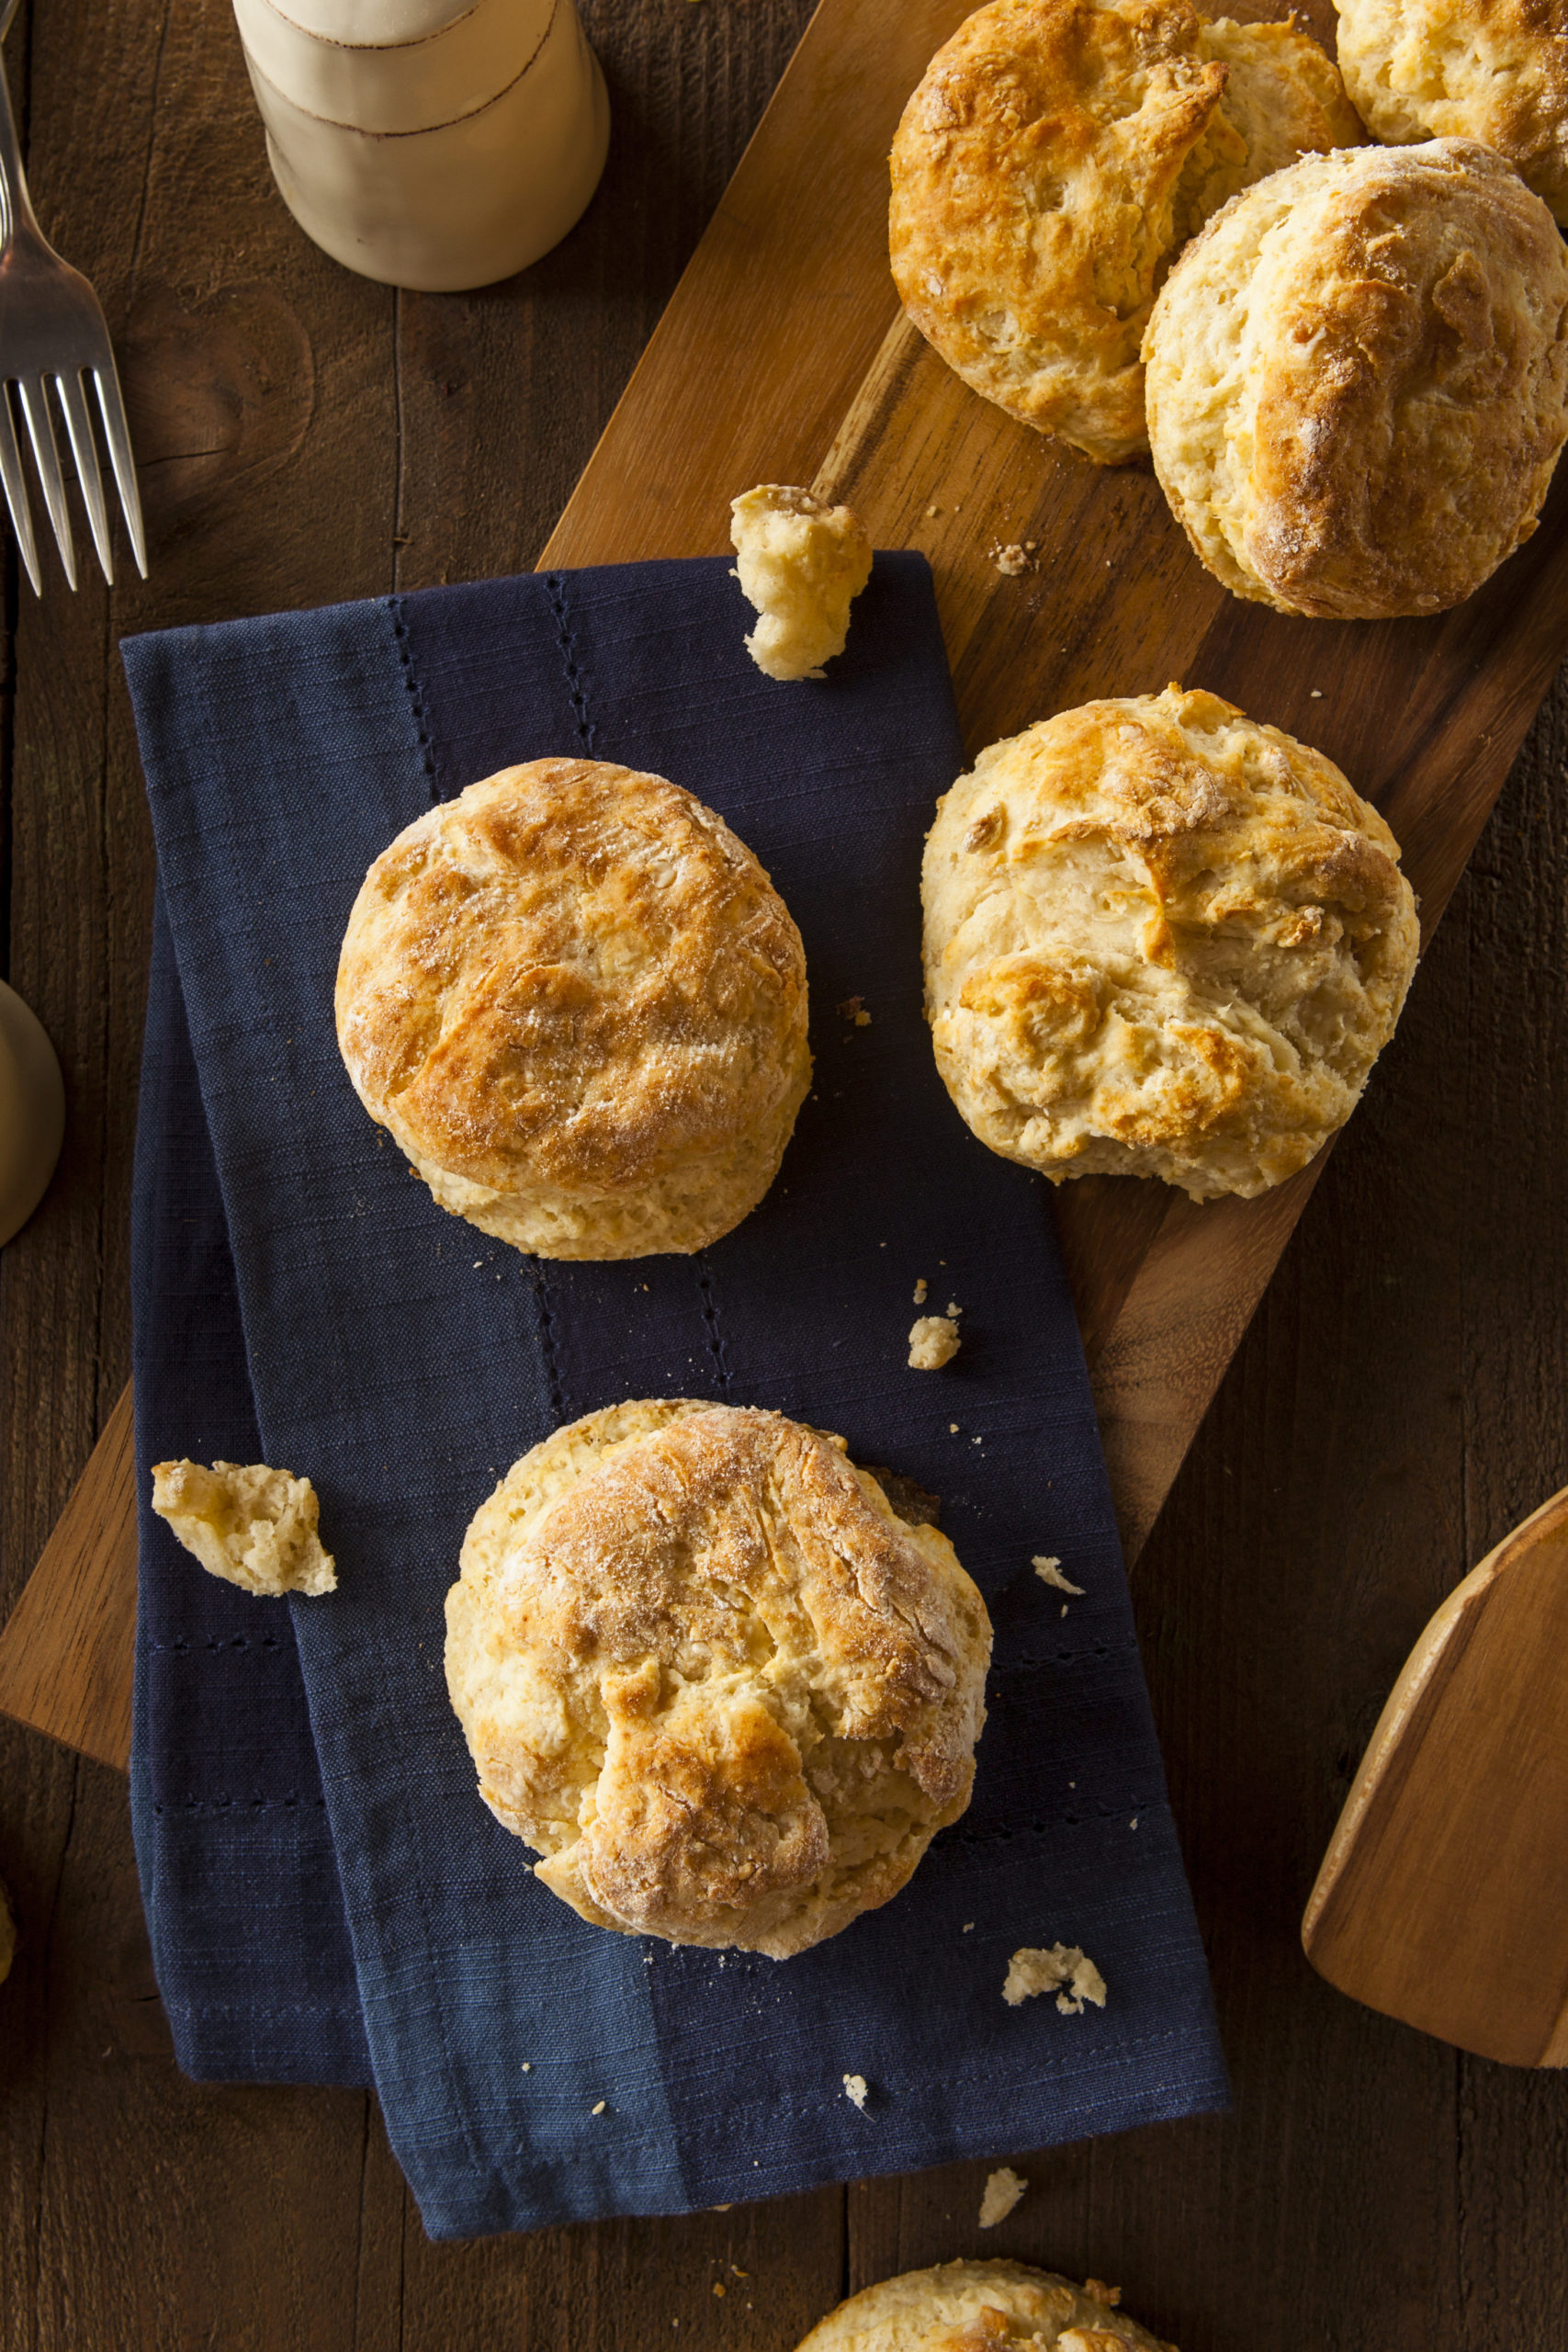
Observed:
{"x":424,"y":143}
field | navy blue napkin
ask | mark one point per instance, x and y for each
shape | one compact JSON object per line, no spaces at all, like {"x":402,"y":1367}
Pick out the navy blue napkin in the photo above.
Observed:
{"x":328,"y":1898}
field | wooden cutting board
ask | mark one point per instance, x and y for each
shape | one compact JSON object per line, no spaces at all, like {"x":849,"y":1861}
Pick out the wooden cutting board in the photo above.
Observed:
{"x":1443,"y":1897}
{"x":783,"y":356}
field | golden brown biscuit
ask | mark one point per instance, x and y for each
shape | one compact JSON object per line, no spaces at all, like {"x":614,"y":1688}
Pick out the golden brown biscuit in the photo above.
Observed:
{"x":1056,"y":155}
{"x":1357,"y":380}
{"x":705,"y":1670}
{"x":982,"y":2307}
{"x":1493,"y":69}
{"x":1161,"y":941}
{"x":578,"y":1003}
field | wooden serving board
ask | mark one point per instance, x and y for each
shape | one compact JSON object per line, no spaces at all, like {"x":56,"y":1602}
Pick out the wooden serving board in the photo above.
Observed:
{"x":783,"y":356}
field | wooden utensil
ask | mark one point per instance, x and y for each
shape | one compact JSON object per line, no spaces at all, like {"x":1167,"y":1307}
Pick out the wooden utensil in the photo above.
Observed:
{"x":1443,"y":1897}
{"x":783,"y":356}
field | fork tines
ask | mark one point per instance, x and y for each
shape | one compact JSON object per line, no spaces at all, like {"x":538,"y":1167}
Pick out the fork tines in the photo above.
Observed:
{"x":32,"y":392}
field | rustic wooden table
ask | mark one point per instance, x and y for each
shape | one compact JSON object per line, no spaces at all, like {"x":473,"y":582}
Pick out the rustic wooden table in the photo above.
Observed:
{"x":305,"y":437}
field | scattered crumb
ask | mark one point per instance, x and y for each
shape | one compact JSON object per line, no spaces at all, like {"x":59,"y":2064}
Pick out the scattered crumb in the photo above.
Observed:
{"x":967,"y":1929}
{"x":735,"y":2270}
{"x":527,"y":2065}
{"x":921,"y":1289}
{"x":254,"y":1527}
{"x":719,"y":2288}
{"x":802,"y":562}
{"x":855,"y":2089}
{"x":1101,"y":2292}
{"x":1318,"y":693}
{"x":599,"y":2109}
{"x":933,"y":510}
{"x":1003,"y":2190}
{"x":933,"y":1341}
{"x":954,"y":1307}
{"x":852,"y":1008}
{"x":1032,"y":1970}
{"x":1134,"y":1823}
{"x":953,"y":1428}
{"x":1013,"y":561}
{"x":1049,"y":1571}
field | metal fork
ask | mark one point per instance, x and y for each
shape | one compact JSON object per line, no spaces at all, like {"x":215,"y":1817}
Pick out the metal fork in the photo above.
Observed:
{"x":52,"y":328}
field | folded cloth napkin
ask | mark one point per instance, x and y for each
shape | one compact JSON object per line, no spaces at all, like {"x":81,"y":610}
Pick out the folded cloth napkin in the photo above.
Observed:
{"x":327,"y":1895}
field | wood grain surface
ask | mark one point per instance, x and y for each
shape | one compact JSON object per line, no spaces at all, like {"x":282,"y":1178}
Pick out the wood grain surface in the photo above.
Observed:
{"x":1443,"y":1896}
{"x":1397,"y":1404}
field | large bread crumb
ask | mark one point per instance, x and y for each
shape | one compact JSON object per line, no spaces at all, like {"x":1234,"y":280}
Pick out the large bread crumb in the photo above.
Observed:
{"x":802,"y":562}
{"x":1032,"y":1971}
{"x":1049,"y":1571}
{"x":1003,"y":2190}
{"x":254,"y":1527}
{"x":933,"y":1341}
{"x":856,"y":2090}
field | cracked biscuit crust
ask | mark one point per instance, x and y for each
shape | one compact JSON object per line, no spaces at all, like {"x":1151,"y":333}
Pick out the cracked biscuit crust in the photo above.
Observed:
{"x":982,"y":2307}
{"x":1054,"y":158}
{"x":575,"y":1000}
{"x":1161,"y":940}
{"x":1357,"y":380}
{"x":711,"y":1678}
{"x":1493,"y":69}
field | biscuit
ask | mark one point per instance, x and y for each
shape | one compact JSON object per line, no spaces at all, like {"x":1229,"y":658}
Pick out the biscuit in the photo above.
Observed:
{"x":577,"y":1003}
{"x":1493,"y":69}
{"x":712,"y":1678}
{"x":1054,"y":158}
{"x":1161,"y":940}
{"x":982,"y":2307}
{"x":1357,"y":380}
{"x":251,"y":1526}
{"x":802,"y":562}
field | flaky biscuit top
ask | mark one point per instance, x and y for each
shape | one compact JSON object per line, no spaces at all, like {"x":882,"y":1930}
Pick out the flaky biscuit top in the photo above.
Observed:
{"x":710,"y":1676}
{"x":1161,"y":940}
{"x":1493,"y":69}
{"x":981,"y":2307}
{"x":1357,"y":380}
{"x":574,"y":974}
{"x":1055,"y":157}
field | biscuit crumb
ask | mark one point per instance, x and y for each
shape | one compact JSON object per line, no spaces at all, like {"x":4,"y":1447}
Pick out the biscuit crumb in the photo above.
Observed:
{"x":719,"y":2288}
{"x":1049,"y":1571}
{"x":967,"y":1929}
{"x":954,"y":1307}
{"x":855,"y":2089}
{"x":1003,"y":2190}
{"x":527,"y":2065}
{"x":251,"y":1526}
{"x":802,"y":562}
{"x":599,"y":2109}
{"x":1317,"y":694}
{"x":1013,"y":561}
{"x":921,"y":1289}
{"x":1032,"y":1971}
{"x":932,"y":510}
{"x":933,"y":1341}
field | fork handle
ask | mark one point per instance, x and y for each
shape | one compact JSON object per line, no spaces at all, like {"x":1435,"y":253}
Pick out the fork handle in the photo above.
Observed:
{"x":16,"y":215}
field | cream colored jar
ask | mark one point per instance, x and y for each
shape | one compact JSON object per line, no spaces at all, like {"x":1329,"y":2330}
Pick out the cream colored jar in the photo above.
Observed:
{"x":425,"y":143}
